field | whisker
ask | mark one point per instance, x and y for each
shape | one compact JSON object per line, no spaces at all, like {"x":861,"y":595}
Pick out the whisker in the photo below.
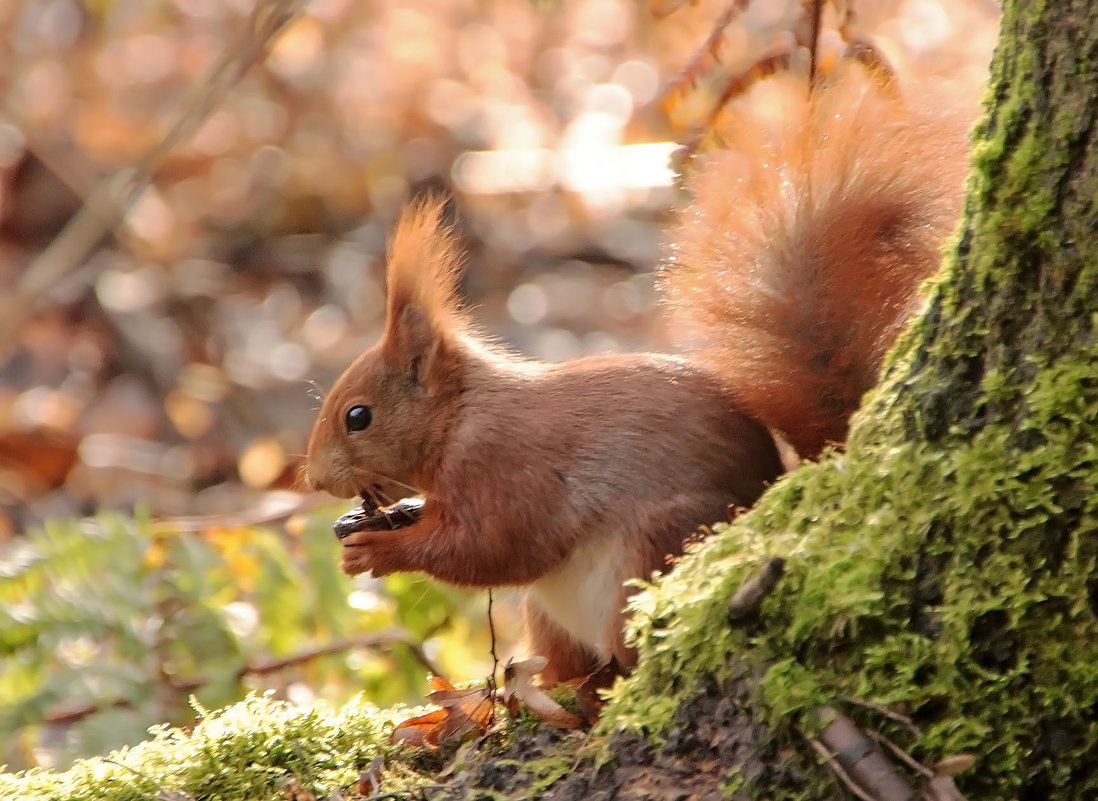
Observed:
{"x":381,"y":476}
{"x":315,"y":391}
{"x":302,"y":478}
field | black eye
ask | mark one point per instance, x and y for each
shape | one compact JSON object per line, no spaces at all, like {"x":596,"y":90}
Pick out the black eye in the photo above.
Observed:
{"x":359,"y":418}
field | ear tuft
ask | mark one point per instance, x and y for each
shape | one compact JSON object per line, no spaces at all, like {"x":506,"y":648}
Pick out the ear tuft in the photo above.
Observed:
{"x":423,"y":316}
{"x":424,"y":265}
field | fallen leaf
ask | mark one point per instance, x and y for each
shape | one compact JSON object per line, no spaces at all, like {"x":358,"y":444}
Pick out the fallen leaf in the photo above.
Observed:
{"x":471,"y":711}
{"x":422,"y":730}
{"x":463,"y":712}
{"x":953,"y":764}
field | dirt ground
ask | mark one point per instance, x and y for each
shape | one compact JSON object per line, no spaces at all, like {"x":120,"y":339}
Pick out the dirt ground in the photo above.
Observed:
{"x":713,"y":745}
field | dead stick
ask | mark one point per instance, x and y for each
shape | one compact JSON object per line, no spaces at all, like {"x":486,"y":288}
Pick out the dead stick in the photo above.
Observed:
{"x":883,"y":710}
{"x":861,"y":758}
{"x":837,"y":769}
{"x":747,"y":600}
{"x":903,"y":756}
{"x":398,"y":637}
{"x":106,"y":208}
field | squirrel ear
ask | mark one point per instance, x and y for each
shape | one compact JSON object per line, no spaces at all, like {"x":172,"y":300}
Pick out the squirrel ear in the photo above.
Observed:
{"x":414,"y":345}
{"x":422,"y":317}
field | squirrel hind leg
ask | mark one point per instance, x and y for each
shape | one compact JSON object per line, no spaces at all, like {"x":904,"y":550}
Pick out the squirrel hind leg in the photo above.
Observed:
{"x":568,"y":657}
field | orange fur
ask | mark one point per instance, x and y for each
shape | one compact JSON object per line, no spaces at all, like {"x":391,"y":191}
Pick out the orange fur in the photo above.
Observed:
{"x":800,"y":257}
{"x":425,"y":265}
{"x":795,"y":267}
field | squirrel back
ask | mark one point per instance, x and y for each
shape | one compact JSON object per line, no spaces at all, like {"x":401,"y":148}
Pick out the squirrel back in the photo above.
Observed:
{"x":800,"y":256}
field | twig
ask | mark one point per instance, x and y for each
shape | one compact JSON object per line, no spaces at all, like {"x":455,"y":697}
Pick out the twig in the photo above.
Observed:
{"x":255,"y":516}
{"x":106,"y":207}
{"x":370,"y":641}
{"x":903,"y":756}
{"x":709,"y":51}
{"x":747,"y":600}
{"x":396,"y":637}
{"x":837,"y":769}
{"x":492,"y":635}
{"x":773,"y":61}
{"x":903,"y":720}
{"x":491,"y":683}
{"x":861,"y":759}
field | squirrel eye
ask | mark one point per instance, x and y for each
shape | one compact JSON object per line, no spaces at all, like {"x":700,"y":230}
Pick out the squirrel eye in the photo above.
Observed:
{"x":359,"y":418}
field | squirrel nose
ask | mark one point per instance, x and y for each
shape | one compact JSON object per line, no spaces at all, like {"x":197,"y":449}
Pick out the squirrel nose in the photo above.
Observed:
{"x":314,"y":481}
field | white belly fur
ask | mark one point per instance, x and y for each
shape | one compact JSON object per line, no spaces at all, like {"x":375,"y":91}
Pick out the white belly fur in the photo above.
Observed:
{"x":582,"y":595}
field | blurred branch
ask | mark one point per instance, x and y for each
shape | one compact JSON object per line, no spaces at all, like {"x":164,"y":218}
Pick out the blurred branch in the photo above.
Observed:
{"x":106,"y":207}
{"x":263,"y":514}
{"x":383,"y":640}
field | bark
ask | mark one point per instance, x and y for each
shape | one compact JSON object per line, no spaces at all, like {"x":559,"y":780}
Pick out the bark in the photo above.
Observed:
{"x":1020,"y":293}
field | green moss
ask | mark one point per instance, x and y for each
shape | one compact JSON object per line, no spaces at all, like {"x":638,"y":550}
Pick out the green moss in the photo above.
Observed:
{"x":955,"y":584}
{"x":245,"y":751}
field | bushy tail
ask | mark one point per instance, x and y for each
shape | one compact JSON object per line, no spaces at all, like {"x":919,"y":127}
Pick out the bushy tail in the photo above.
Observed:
{"x":799,"y":259}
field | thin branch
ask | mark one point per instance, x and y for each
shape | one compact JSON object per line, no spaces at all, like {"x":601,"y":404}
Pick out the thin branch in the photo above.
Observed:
{"x":492,"y":635}
{"x":707,"y":53}
{"x":255,"y":516}
{"x":837,"y":769}
{"x":491,"y":683}
{"x":777,"y":59}
{"x":903,"y":720}
{"x":903,"y":756}
{"x":861,"y":759}
{"x":367,"y":641}
{"x":749,"y":596}
{"x":396,"y":637}
{"x":106,"y":207}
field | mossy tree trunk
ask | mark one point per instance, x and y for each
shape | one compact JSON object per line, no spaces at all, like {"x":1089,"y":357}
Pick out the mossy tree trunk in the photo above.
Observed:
{"x":947,"y":564}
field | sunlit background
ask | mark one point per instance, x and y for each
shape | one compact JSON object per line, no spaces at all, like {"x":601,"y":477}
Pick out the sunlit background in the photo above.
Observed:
{"x":175,"y":369}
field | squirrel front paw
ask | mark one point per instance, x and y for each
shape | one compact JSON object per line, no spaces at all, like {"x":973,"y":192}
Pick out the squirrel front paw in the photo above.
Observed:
{"x":370,"y":552}
{"x":375,"y":540}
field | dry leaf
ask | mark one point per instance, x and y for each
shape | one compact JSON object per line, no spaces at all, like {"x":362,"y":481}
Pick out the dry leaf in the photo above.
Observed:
{"x":954,"y":764}
{"x":463,"y":712}
{"x":422,"y":730}
{"x":471,"y":711}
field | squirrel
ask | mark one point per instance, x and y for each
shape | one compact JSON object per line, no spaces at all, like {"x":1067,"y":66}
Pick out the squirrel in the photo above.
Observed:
{"x":791,"y":272}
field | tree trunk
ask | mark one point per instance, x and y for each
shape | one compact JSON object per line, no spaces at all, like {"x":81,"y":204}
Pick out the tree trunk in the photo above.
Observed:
{"x":945,"y":566}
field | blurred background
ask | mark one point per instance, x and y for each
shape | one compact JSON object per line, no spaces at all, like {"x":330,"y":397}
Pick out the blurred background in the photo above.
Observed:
{"x":158,"y":378}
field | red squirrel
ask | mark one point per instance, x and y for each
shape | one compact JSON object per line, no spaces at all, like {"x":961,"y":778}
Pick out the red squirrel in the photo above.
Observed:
{"x":792,"y":271}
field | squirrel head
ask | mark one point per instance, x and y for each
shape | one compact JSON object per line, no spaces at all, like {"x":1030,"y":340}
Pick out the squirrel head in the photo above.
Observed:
{"x":384,"y":424}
